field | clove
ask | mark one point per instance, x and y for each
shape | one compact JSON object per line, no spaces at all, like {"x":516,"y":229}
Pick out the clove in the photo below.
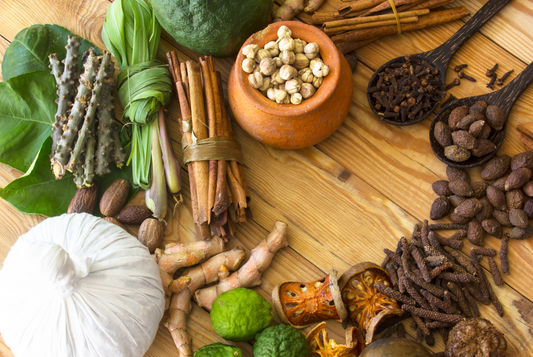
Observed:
{"x":458,"y":68}
{"x":467,"y":77}
{"x":455,"y":83}
{"x":491,"y":71}
{"x":504,"y":77}
{"x":492,"y":81}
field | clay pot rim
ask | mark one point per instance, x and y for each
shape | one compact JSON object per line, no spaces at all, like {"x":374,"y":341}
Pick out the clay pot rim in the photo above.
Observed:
{"x":328,"y":51}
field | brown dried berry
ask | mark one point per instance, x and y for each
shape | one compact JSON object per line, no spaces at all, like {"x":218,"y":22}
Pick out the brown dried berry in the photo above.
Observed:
{"x":495,"y":117}
{"x":524,"y":159}
{"x":443,"y":134}
{"x":480,"y":189}
{"x":476,"y":128}
{"x":454,"y":173}
{"x":114,"y":198}
{"x":502,"y":217}
{"x":469,"y":208}
{"x":468,"y":120}
{"x":84,"y":200}
{"x":492,"y":227}
{"x":461,"y":188}
{"x":518,"y":218}
{"x":476,"y":234}
{"x":486,"y":132}
{"x":500,"y":183}
{"x":483,"y":147}
{"x":496,"y":168}
{"x":114,"y":221}
{"x":517,"y":178}
{"x":496,"y":198}
{"x":441,"y":188}
{"x":459,"y":219}
{"x":456,"y":153}
{"x":440,"y":208}
{"x":528,"y":208}
{"x":457,"y":115}
{"x":464,"y":139}
{"x":150,"y":233}
{"x":486,"y":210}
{"x":521,"y":233}
{"x":478,"y":107}
{"x":134,"y":214}
{"x":515,"y":199}
{"x":528,"y":188}
{"x":456,"y":200}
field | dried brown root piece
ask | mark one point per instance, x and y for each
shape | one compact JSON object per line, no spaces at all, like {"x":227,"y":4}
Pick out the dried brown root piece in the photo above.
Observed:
{"x":475,"y":337}
{"x":249,"y":274}
{"x":288,"y":10}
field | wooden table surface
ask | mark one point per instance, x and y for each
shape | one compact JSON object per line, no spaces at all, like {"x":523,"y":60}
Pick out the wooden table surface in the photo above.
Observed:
{"x":347,"y":198}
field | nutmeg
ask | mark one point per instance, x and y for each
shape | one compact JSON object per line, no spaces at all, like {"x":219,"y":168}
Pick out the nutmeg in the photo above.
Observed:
{"x":457,"y":115}
{"x":461,"y":188}
{"x":311,"y":50}
{"x":456,"y":153}
{"x":267,"y":66}
{"x":495,"y":117}
{"x":133,"y":214}
{"x":463,"y":139}
{"x":443,"y":134}
{"x":440,"y":208}
{"x":150,"y":233}
{"x":496,"y":168}
{"x":454,"y":173}
{"x":114,"y":197}
{"x":468,"y":208}
{"x":84,"y":200}
{"x":441,"y":188}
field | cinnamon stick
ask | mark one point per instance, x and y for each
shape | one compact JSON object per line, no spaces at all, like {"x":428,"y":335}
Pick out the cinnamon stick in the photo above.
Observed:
{"x":377,"y":18}
{"x":433,"y":19}
{"x":387,"y":5}
{"x":334,"y":30}
{"x":431,"y":4}
{"x":346,"y":47}
{"x":185,"y":78}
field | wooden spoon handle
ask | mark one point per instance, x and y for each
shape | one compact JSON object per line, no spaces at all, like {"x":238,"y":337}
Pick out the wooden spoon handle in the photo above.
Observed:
{"x":441,"y":55}
{"x":506,"y":97}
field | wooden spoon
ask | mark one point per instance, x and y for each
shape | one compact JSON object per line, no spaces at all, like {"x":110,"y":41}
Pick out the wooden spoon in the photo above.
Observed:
{"x":504,"y":99}
{"x":440,"y":57}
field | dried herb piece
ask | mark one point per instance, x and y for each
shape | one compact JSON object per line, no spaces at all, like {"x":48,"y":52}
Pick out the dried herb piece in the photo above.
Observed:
{"x":468,"y":208}
{"x":458,"y":278}
{"x":524,"y":159}
{"x":503,"y":254}
{"x":435,"y":301}
{"x":518,"y":218}
{"x":496,"y":276}
{"x":495,"y":117}
{"x":466,"y":76}
{"x":497,"y":198}
{"x":440,"y":208}
{"x":459,"y":67}
{"x":461,"y":188}
{"x":486,"y":209}
{"x":421,"y":265}
{"x":502,"y":217}
{"x":443,"y":134}
{"x":496,"y":168}
{"x":483,"y":147}
{"x":457,"y":174}
{"x":492,"y":227}
{"x":436,"y":272}
{"x":456,"y":153}
{"x":441,"y":188}
{"x":446,"y":226}
{"x":461,"y":300}
{"x":478,"y":107}
{"x":490,"y":72}
{"x":472,"y":302}
{"x":394,"y":294}
{"x":504,"y":77}
{"x":483,"y":288}
{"x":461,"y":259}
{"x":514,"y":199}
{"x":521,"y":233}
{"x":432,"y":314}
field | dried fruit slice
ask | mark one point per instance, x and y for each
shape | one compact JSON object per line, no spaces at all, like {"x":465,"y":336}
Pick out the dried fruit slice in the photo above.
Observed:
{"x":367,"y":306}
{"x":322,"y":346}
{"x":301,"y":304}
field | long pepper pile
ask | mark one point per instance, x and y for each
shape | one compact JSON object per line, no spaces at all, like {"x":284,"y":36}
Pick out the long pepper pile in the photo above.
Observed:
{"x":219,"y":193}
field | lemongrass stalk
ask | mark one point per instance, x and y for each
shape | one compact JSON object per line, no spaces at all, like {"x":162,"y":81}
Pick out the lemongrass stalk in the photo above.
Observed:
{"x":172,"y":166}
{"x":156,"y":195}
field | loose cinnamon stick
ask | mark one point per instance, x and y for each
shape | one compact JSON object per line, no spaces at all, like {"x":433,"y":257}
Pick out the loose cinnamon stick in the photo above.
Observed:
{"x":377,"y":18}
{"x":334,"y":30}
{"x":433,"y":19}
{"x":431,"y":4}
{"x":387,"y":5}
{"x":185,"y":78}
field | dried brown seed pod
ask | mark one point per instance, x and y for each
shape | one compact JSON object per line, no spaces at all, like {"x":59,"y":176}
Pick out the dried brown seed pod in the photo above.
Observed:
{"x":456,"y":153}
{"x":495,"y":117}
{"x":496,"y":168}
{"x":515,"y":199}
{"x":478,"y":107}
{"x":440,"y":208}
{"x":485,"y":134}
{"x":134,"y":214}
{"x":518,"y":218}
{"x":483,"y":147}
{"x":528,"y":188}
{"x":517,"y":178}
{"x":528,"y":208}
{"x":84,"y":200}
{"x":457,"y":174}
{"x":475,"y":337}
{"x":476,"y":234}
{"x":115,"y":197}
{"x":468,"y":120}
{"x":456,"y":200}
{"x":461,"y":188}
{"x":496,"y":198}
{"x":486,"y":209}
{"x":502,"y":217}
{"x":441,"y":188}
{"x":492,"y":227}
{"x":476,"y":128}
{"x":443,"y":134}
{"x":500,"y":183}
{"x":464,"y":139}
{"x":151,"y":233}
{"x":469,"y":208}
{"x":521,"y":233}
{"x":455,"y":218}
{"x":480,"y":189}
{"x":456,"y":116}
{"x":524,"y":159}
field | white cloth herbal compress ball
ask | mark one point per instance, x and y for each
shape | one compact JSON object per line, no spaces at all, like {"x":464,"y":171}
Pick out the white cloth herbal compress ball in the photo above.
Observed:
{"x":79,"y":286}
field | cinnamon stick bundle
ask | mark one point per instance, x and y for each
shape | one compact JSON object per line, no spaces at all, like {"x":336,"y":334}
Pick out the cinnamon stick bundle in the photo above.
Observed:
{"x":365,"y":25}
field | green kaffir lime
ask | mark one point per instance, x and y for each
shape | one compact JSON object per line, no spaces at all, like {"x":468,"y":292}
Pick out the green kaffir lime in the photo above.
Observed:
{"x":281,"y":341}
{"x":218,"y":350}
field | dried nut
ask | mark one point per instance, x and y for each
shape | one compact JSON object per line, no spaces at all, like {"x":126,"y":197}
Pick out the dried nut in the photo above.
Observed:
{"x":521,"y":233}
{"x":443,"y":134}
{"x":292,"y":86}
{"x":476,"y":234}
{"x":518,"y":218}
{"x":468,"y":120}
{"x":463,"y":139}
{"x":524,"y":159}
{"x":84,"y":200}
{"x":486,"y":131}
{"x":248,"y":65}
{"x":286,"y":44}
{"x":528,"y":208}
{"x":492,"y":227}
{"x":515,"y":199}
{"x":276,"y":78}
{"x":270,"y":94}
{"x":287,"y":72}
{"x":480,"y":189}
{"x":284,"y":31}
{"x":280,"y":95}
{"x":496,"y":168}
{"x":115,"y":197}
{"x":456,"y":153}
{"x":469,"y":208}
{"x":483,"y":147}
{"x":287,"y":57}
{"x":266,"y":84}
{"x":267,"y":66}
{"x":307,"y":90}
{"x":528,"y":188}
{"x":255,"y":80}
{"x":150,"y":233}
{"x":262,"y":53}
{"x":307,"y":75}
{"x":456,"y":116}
{"x":502,"y":217}
{"x":250,"y":50}
{"x":517,"y":178}
{"x":461,"y":188}
{"x":441,"y":188}
{"x":273,"y":48}
{"x":311,"y":50}
{"x":296,"y":98}
{"x":301,"y":61}
{"x":317,"y":82}
{"x":459,"y":219}
{"x":478,"y":107}
{"x":495,"y":117}
{"x":299,"y":46}
{"x":456,"y":200}
{"x":457,"y":174}
{"x":496,"y":198}
{"x":134,"y":214}
{"x":486,"y":210}
{"x":114,"y":221}
{"x":440,"y":208}
{"x":500,"y":183}
{"x":476,"y":128}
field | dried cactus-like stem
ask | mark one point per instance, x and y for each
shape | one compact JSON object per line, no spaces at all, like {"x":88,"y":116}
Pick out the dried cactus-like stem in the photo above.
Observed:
{"x":117,"y":154}
{"x":105,"y":114}
{"x":88,"y":167}
{"x":55,"y":66}
{"x":65,"y":89}
{"x":78,"y":172}
{"x":88,"y":122}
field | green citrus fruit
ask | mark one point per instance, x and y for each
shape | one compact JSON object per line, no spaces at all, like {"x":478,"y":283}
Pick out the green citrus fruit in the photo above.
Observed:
{"x":281,"y":341}
{"x":237,"y":315}
{"x":218,"y":350}
{"x":209,"y":27}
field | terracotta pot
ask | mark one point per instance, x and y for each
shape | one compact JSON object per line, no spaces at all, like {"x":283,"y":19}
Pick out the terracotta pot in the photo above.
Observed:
{"x":287,"y":126}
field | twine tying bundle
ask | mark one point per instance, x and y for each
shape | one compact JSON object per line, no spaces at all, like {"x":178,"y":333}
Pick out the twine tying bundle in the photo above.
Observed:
{"x":393,"y":7}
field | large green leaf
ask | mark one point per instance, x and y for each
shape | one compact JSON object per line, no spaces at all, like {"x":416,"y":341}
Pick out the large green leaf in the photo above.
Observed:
{"x":30,"y":48}
{"x":27,"y":110}
{"x":38,"y":192}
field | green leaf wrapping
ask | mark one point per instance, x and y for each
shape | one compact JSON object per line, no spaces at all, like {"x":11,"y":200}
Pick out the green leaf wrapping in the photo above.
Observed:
{"x":29,"y":50}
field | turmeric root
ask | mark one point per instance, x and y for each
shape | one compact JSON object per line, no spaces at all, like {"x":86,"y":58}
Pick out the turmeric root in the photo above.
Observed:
{"x":288,"y":10}
{"x":249,"y":274}
{"x":208,"y":245}
{"x":180,"y":306}
{"x":313,"y":5}
{"x":172,"y":286}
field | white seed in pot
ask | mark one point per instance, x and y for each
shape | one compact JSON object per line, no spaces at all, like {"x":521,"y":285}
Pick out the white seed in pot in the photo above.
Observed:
{"x":250,"y":51}
{"x":270,"y":94}
{"x":325,"y":70}
{"x":268,"y":66}
{"x":287,"y":100}
{"x":320,"y":70}
{"x":276,"y":78}
{"x":280,"y":95}
{"x":278,"y":62}
{"x":306,"y":75}
{"x":287,"y":72}
{"x":262,"y":54}
{"x":284,"y":31}
{"x":273,"y":48}
{"x":299,"y":45}
{"x":311,"y":50}
{"x":300,"y":82}
{"x":257,"y":69}
{"x":317,"y":81}
{"x":301,"y":61}
{"x":248,"y":65}
{"x":266,"y":84}
{"x":296,"y":98}
{"x":307,"y":90}
{"x":287,"y":57}
{"x":292,"y":86}
{"x":314,"y":61}
{"x":256,"y":80}
{"x":281,"y":86}
{"x":286,"y":44}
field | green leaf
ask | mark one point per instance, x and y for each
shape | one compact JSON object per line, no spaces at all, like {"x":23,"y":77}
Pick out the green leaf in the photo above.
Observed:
{"x":38,"y":192}
{"x":27,"y":112}
{"x":30,"y":48}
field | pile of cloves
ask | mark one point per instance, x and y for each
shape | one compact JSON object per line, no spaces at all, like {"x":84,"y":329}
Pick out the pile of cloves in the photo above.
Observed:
{"x":406,"y":91}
